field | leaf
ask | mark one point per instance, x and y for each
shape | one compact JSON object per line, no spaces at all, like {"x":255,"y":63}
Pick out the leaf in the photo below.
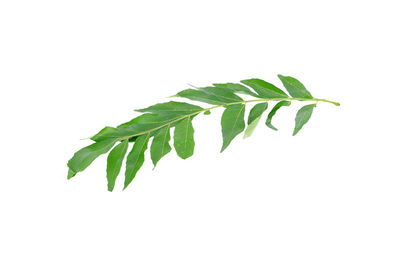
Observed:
{"x":236,"y":88}
{"x":273,"y":111}
{"x":172,"y":107}
{"x":207,"y":112}
{"x":232,"y":123}
{"x":183,"y":138}
{"x":254,"y":117}
{"x":84,"y":157}
{"x":302,"y":117}
{"x":210,"y":95}
{"x":135,"y":158}
{"x":265,"y":89}
{"x":105,"y":133}
{"x":114,"y":163}
{"x":160,"y":145}
{"x":294,"y":87}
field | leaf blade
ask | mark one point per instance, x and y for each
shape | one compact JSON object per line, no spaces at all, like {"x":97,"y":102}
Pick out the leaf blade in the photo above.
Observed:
{"x":172,"y":107}
{"x":232,"y":123}
{"x":273,"y":111}
{"x":254,"y":117}
{"x":295,"y":87}
{"x":85,"y":156}
{"x":302,"y":117}
{"x":236,"y":88}
{"x":135,"y":158}
{"x":265,"y":89}
{"x":160,"y":145}
{"x":114,"y":163}
{"x":183,"y":138}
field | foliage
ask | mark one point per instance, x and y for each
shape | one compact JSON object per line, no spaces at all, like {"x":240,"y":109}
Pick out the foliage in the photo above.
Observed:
{"x":156,"y":122}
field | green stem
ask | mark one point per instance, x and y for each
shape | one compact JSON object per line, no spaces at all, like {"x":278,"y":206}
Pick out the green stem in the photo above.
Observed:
{"x":229,"y":104}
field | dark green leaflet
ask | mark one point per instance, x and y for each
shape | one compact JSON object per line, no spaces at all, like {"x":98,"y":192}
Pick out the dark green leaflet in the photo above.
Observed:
{"x":302,"y":117}
{"x":157,"y":120}
{"x":254,"y":117}
{"x":294,"y":87}
{"x":232,"y":123}
{"x":84,"y":157}
{"x":273,"y":111}
{"x":172,"y":107}
{"x":183,"y":138}
{"x":160,"y":145}
{"x":236,"y":88}
{"x":114,"y":163}
{"x":135,"y":158}
{"x":265,"y":89}
{"x":210,"y":95}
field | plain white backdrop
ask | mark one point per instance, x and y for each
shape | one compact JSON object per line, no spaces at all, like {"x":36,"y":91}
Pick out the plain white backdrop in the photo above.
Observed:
{"x":326,"y":197}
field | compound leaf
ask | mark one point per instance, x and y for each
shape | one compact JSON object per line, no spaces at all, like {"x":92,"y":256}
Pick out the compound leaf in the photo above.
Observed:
{"x":160,"y":145}
{"x":302,"y":117}
{"x":265,"y":89}
{"x":183,"y":138}
{"x":135,"y":158}
{"x":254,"y":117}
{"x":232,"y":123}
{"x":114,"y":163}
{"x":271,"y":114}
{"x":294,"y":87}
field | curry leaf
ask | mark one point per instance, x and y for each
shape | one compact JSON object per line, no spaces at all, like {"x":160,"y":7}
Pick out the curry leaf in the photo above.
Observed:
{"x":135,"y":158}
{"x":114,"y":162}
{"x":254,"y":117}
{"x":232,"y":123}
{"x":271,"y":114}
{"x":236,"y":88}
{"x":160,"y":145}
{"x":294,"y":87}
{"x":265,"y":89}
{"x":183,"y":138}
{"x":302,"y":117}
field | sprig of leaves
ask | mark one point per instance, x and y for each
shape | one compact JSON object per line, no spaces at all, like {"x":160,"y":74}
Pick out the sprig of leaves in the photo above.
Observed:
{"x":156,"y":122}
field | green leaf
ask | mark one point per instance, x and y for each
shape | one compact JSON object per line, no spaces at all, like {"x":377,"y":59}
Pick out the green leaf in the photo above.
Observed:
{"x":160,"y":145}
{"x":265,"y":89}
{"x":84,"y":157}
{"x":232,"y":123}
{"x":105,"y":133}
{"x":236,"y":88}
{"x":302,"y":117}
{"x":254,"y":117}
{"x":294,"y":87}
{"x":114,"y":163}
{"x":172,"y":107}
{"x":183,"y":138}
{"x":207,"y":112}
{"x":273,"y":111}
{"x":210,"y":95}
{"x":135,"y":158}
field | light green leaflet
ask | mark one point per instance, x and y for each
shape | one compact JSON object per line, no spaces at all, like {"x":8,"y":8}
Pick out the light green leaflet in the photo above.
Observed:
{"x":114,"y":163}
{"x":183,"y":138}
{"x":302,"y":117}
{"x":155,"y":123}
{"x":232,"y":123}
{"x":254,"y":117}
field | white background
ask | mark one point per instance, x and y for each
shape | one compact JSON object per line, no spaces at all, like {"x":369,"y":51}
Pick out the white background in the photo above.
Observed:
{"x":328,"y":197}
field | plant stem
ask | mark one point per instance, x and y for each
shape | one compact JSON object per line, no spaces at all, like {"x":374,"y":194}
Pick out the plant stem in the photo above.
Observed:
{"x":229,"y":104}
